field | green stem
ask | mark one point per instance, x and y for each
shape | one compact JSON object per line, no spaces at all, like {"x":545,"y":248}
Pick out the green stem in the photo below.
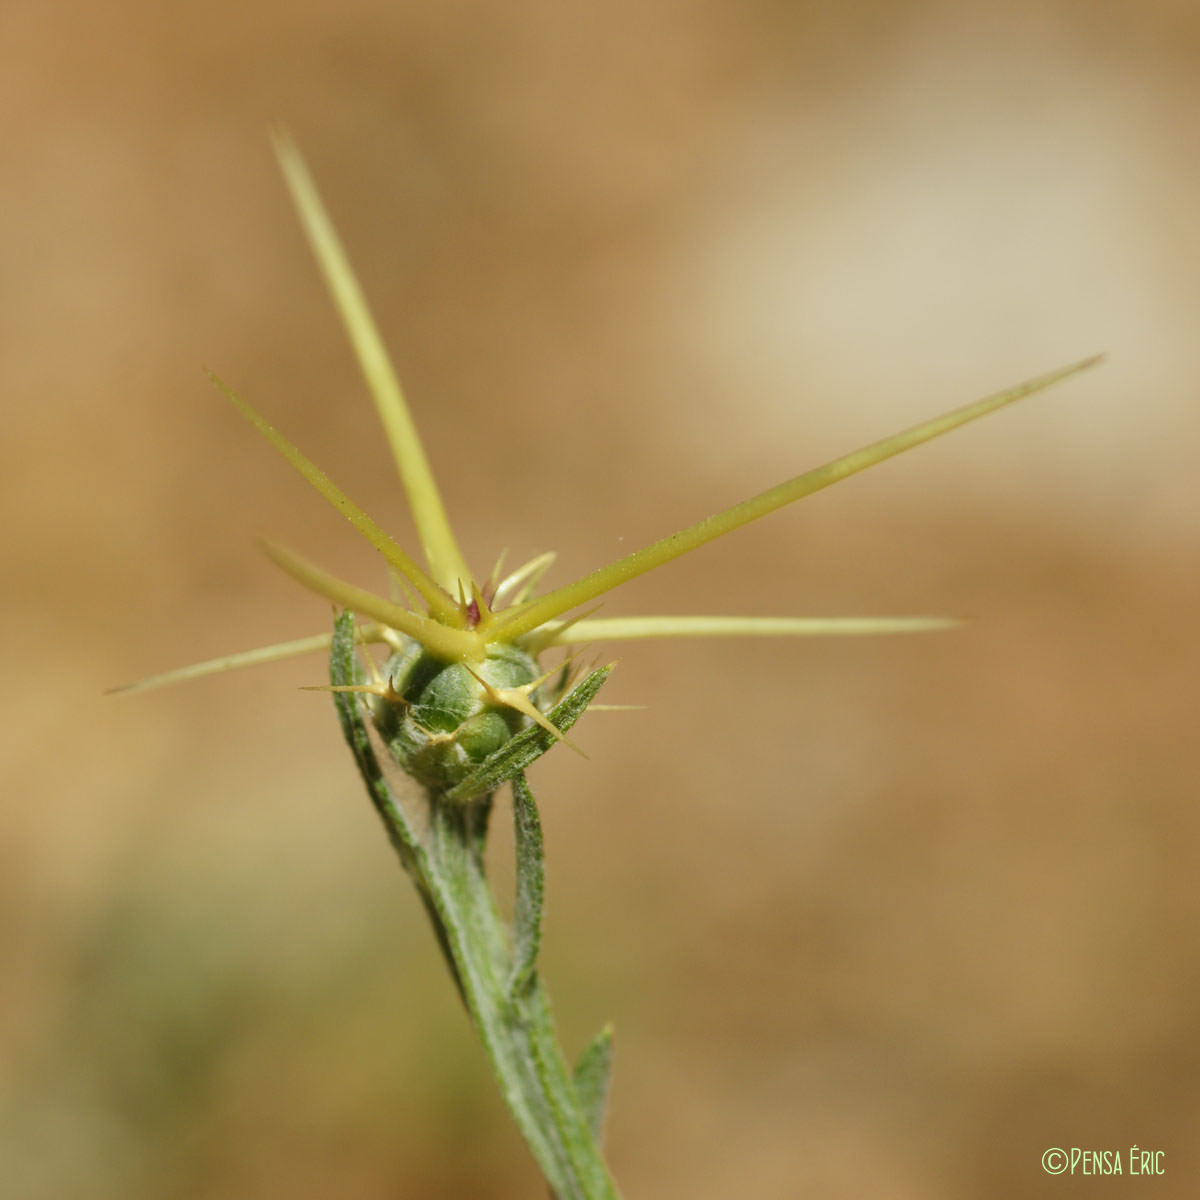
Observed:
{"x":499,"y":987}
{"x":514,"y":1025}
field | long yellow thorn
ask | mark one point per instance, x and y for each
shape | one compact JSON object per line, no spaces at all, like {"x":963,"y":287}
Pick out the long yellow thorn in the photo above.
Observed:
{"x":526,"y":618}
{"x":246,"y":658}
{"x":518,"y":698}
{"x":442,"y":554}
{"x":439,"y":602}
{"x":453,"y":645}
{"x":627,"y":629}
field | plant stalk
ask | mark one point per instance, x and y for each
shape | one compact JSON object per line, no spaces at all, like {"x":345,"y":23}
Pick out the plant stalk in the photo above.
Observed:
{"x":494,"y":968}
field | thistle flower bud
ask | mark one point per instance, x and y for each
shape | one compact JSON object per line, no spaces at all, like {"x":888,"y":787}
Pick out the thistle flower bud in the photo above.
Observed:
{"x":444,"y":719}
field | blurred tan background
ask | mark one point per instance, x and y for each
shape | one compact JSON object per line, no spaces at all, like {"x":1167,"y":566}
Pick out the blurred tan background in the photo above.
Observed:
{"x":871,"y":917}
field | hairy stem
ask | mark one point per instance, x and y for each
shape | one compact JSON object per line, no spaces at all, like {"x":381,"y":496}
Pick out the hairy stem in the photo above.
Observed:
{"x":500,"y":989}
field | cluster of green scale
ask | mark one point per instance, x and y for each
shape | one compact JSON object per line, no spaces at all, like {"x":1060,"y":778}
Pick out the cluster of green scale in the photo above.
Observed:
{"x":444,"y":723}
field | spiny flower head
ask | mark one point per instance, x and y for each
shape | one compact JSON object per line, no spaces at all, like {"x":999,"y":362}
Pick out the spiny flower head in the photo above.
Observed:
{"x":463,"y":678}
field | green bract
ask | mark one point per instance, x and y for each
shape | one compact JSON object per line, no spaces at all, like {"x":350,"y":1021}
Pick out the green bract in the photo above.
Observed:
{"x":443,"y":721}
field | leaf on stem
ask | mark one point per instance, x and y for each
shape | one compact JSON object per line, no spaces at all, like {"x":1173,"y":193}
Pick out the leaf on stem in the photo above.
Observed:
{"x":346,"y":671}
{"x":530,"y":744}
{"x":527,"y":917}
{"x":592,"y":1074}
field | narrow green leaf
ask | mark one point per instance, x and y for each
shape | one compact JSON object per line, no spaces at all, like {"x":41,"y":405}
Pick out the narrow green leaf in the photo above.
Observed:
{"x":531,"y":877}
{"x":530,"y":744}
{"x":592,"y":1073}
{"x":345,"y":669}
{"x":588,"y":1171}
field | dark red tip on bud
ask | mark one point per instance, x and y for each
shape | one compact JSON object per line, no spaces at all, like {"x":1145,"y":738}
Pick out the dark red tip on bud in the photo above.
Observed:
{"x":472,"y":614}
